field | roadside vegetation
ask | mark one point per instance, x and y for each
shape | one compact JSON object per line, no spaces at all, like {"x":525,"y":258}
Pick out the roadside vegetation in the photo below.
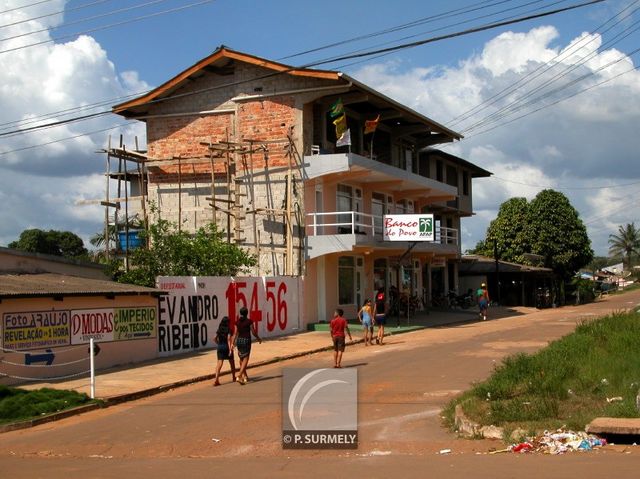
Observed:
{"x":21,"y":404}
{"x":592,"y":372}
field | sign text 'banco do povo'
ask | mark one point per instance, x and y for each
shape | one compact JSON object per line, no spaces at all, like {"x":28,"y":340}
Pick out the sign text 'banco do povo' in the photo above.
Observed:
{"x":408,"y":227}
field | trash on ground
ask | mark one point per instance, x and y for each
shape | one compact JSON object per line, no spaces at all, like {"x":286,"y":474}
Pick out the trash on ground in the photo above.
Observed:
{"x":445,"y":451}
{"x":558,"y":442}
{"x":614,"y":399}
{"x":215,"y":440}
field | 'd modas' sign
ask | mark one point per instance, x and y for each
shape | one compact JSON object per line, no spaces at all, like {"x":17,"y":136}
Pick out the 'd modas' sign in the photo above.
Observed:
{"x":191,"y":310}
{"x":408,"y":227}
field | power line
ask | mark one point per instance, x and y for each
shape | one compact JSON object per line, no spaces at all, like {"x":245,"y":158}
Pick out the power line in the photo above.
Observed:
{"x":117,"y":99}
{"x":538,"y":71}
{"x":396,"y":28}
{"x":30,"y":147}
{"x":546,"y":187}
{"x":24,"y":6}
{"x":455,"y":34}
{"x":554,"y":103}
{"x":89,"y":106}
{"x":79,"y":7}
{"x":117,"y":24}
{"x":86,"y":19}
{"x":520,"y":104}
{"x":321,"y":62}
{"x":466,"y":22}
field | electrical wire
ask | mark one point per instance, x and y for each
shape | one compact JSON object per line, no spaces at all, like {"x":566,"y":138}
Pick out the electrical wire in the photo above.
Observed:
{"x":321,"y":62}
{"x":542,"y":68}
{"x":71,"y":9}
{"x":117,"y":24}
{"x":24,"y":6}
{"x":86,"y":19}
{"x":568,"y":188}
{"x":30,"y":147}
{"x":520,"y":104}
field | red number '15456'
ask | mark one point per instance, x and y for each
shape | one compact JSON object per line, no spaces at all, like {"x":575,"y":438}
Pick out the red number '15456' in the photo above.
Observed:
{"x":279,"y":312}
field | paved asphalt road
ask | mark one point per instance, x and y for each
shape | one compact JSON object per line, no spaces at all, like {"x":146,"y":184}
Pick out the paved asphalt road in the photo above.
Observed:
{"x":201,"y":431}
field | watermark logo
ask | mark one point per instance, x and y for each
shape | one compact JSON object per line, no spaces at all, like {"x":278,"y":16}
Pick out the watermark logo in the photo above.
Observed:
{"x":320,"y":408}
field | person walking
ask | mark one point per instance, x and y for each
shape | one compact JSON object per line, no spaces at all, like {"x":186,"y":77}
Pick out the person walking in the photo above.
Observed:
{"x":365,"y":315}
{"x":380,"y":315}
{"x":224,"y":349}
{"x":483,"y":301}
{"x":242,"y":339}
{"x":337,"y":327}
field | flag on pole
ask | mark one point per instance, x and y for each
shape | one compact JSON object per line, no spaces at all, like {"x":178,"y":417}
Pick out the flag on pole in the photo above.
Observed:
{"x":371,"y":125}
{"x":345,"y":139}
{"x":341,"y":125}
{"x":337,"y":109}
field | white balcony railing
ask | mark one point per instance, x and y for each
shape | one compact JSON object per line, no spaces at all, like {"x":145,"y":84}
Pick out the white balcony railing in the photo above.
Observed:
{"x":354,"y":222}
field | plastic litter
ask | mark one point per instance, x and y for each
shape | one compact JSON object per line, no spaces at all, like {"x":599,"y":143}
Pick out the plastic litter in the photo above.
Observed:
{"x":445,"y":451}
{"x":215,"y":440}
{"x":558,"y":442}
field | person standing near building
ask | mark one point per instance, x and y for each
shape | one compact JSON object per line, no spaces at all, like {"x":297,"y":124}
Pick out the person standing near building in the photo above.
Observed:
{"x":337,"y":327}
{"x":381,"y":315}
{"x":365,"y":315}
{"x":224,"y":349}
{"x":242,"y":339}
{"x":483,"y":300}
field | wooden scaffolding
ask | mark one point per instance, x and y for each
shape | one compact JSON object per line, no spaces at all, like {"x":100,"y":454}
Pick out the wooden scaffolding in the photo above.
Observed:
{"x":232,"y":168}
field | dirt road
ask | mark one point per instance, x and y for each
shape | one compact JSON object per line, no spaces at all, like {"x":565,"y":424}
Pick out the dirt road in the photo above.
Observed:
{"x":201,"y":431}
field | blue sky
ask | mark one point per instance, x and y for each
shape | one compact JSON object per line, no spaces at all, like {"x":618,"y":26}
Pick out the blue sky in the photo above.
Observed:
{"x":585,"y":145}
{"x":161,"y":46}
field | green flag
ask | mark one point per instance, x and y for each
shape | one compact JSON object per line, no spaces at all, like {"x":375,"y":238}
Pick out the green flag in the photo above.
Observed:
{"x":337,"y":108}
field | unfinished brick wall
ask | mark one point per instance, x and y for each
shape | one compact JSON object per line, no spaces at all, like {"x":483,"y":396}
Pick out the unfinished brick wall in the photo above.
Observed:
{"x":261,"y":176}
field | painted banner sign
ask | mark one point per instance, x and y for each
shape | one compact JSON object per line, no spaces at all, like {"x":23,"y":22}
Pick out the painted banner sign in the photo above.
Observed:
{"x":191,"y":311}
{"x":134,"y":323}
{"x":408,"y":228}
{"x":92,"y":323}
{"x":35,"y":330}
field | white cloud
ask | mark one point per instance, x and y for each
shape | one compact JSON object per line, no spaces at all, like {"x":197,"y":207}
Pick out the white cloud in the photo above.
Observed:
{"x":585,"y":141}
{"x":41,"y":185}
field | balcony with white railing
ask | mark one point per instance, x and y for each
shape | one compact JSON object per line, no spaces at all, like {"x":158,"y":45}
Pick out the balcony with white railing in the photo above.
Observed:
{"x":342,"y":231}
{"x":371,"y":172}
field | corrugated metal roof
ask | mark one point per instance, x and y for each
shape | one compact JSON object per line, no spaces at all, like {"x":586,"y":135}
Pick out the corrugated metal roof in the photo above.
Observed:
{"x":482,"y":265}
{"x":49,"y":284}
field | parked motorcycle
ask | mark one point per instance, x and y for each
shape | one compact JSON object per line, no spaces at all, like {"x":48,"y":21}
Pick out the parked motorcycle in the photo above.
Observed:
{"x":463,"y":301}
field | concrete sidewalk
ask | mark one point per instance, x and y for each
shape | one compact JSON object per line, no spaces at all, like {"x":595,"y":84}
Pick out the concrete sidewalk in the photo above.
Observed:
{"x":144,"y":379}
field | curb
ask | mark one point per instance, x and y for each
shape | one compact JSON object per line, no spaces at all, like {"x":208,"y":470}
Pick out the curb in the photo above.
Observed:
{"x":122,"y":398}
{"x":14,"y":426}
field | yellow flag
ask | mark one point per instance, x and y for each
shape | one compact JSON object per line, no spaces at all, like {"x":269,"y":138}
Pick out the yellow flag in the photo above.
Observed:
{"x":341,"y":125}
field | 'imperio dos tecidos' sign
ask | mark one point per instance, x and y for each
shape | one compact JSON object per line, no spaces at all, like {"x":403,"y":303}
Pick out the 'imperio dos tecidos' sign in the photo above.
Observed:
{"x":408,"y":227}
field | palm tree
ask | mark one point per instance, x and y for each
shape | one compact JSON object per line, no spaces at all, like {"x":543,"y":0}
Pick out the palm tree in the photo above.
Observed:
{"x":625,"y":243}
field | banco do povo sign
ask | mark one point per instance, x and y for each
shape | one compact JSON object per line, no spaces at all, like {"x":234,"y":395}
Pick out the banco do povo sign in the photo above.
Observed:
{"x":408,"y":227}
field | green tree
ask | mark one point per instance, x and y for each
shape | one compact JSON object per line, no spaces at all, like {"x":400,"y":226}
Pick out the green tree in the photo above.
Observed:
{"x":57,"y":243}
{"x":177,"y":253}
{"x":626,"y":243}
{"x":555,"y":231}
{"x":506,"y":234}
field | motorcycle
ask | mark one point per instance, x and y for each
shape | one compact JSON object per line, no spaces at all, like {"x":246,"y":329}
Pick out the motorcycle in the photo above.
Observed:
{"x":463,"y":301}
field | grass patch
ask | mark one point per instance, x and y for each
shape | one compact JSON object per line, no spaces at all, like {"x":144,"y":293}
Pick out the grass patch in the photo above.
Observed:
{"x":565,"y":384}
{"x":20,"y":404}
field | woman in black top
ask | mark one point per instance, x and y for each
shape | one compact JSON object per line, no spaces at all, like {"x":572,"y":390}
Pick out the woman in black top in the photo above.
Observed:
{"x":242,"y":339}
{"x":224,"y":349}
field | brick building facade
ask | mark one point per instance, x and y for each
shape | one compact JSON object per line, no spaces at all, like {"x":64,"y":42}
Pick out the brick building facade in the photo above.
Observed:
{"x":250,"y":144}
